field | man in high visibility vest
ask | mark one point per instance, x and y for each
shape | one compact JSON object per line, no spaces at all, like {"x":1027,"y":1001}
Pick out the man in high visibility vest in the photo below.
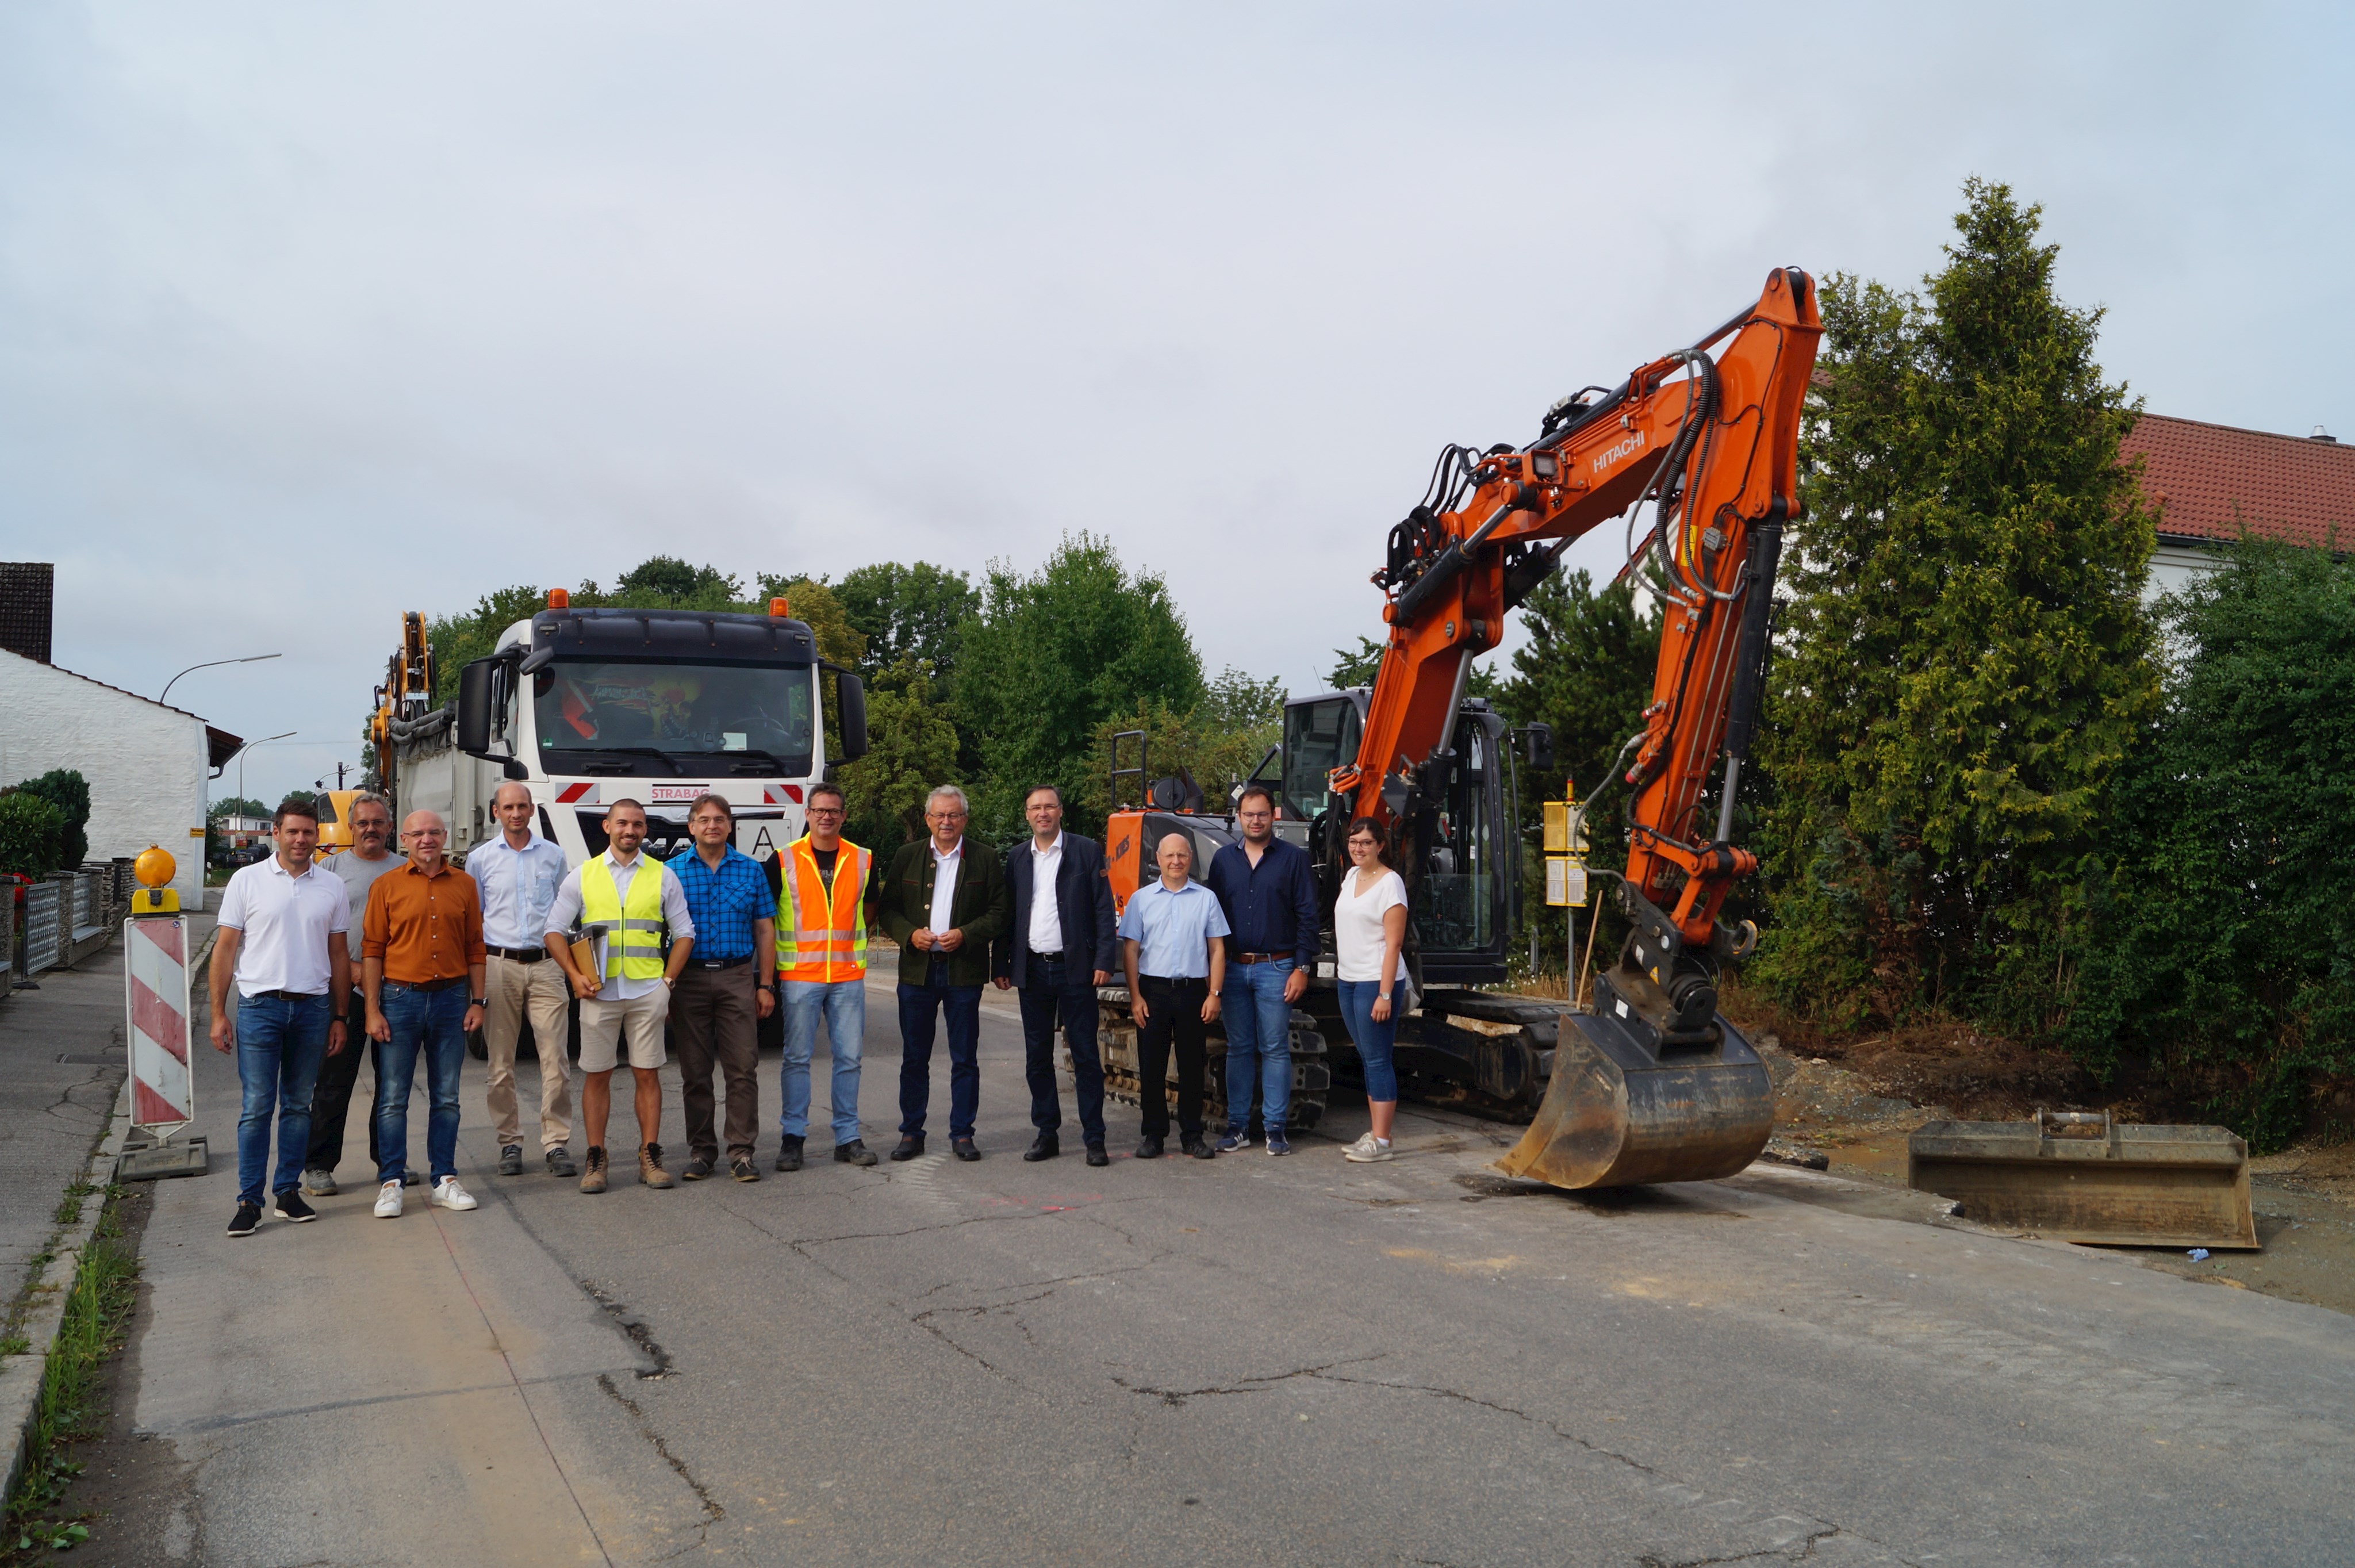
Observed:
{"x":637,"y":902}
{"x":821,"y":962}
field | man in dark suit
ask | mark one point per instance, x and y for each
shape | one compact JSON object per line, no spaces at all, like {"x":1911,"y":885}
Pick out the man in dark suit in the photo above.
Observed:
{"x":943,"y":901}
{"x":1058,"y":948}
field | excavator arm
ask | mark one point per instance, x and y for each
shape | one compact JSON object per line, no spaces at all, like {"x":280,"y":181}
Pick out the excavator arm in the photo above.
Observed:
{"x":1711,"y":440}
{"x":1649,"y":1083}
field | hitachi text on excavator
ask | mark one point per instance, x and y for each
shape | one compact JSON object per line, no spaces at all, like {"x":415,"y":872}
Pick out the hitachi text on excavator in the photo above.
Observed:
{"x":1651,"y":1083}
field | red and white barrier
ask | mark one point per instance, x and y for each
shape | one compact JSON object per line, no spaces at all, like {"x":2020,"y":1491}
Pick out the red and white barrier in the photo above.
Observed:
{"x":155,"y":1001}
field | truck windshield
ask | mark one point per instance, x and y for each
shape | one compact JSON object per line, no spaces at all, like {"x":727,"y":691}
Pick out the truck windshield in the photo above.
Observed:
{"x":585,"y":708}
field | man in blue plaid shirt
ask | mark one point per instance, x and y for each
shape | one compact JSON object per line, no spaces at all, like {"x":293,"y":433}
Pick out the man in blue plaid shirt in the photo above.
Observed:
{"x":726,"y":987}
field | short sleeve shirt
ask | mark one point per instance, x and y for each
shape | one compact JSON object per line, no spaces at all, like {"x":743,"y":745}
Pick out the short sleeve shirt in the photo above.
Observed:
{"x":286,"y":923}
{"x":1173,"y":930}
{"x":724,"y":902}
{"x":1357,"y":926}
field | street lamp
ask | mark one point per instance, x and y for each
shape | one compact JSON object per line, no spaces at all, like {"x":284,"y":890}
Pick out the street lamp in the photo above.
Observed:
{"x":249,"y":745}
{"x":208,"y":663}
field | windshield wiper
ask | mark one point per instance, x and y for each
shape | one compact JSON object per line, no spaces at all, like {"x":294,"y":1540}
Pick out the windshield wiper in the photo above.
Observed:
{"x":663,"y":757}
{"x":753,"y":754}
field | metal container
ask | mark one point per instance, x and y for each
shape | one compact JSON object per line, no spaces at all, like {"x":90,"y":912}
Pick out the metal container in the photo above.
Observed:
{"x":2081,"y":1177}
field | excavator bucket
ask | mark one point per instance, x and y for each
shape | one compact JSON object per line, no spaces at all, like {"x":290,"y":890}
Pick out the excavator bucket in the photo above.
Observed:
{"x":1617,"y":1113}
{"x":2083,"y":1178}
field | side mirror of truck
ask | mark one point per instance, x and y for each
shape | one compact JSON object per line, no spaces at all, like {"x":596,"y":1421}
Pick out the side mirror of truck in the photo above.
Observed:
{"x":851,"y":691}
{"x":1536,"y":743}
{"x":474,"y":732}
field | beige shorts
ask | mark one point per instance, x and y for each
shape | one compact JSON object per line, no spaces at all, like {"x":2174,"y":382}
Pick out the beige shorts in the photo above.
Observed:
{"x":603,"y":1024}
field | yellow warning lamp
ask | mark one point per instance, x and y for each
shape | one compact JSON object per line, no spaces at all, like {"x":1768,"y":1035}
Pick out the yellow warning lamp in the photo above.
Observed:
{"x":778,"y":609}
{"x":154,"y":868}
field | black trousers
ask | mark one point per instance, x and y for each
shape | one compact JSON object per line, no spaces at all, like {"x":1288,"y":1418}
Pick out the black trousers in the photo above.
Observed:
{"x":331,"y":1096}
{"x":1065,"y":986}
{"x":1172,"y":1008}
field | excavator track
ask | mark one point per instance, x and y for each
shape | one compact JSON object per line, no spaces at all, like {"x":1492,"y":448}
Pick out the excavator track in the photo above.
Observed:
{"x":1312,"y":1074}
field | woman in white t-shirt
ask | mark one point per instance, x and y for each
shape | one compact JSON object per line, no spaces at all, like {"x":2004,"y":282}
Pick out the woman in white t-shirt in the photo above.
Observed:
{"x":1368,"y":930}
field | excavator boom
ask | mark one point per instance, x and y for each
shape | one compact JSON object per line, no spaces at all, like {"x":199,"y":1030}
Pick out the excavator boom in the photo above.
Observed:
{"x":1652,"y":1084}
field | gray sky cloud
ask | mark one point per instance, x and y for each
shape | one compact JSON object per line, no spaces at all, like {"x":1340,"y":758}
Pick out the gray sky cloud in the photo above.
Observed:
{"x":308,"y":316}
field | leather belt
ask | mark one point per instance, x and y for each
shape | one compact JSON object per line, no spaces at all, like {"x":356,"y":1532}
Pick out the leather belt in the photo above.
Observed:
{"x":1258,"y":957}
{"x":289,"y":995}
{"x":719,"y":962}
{"x":450,"y":985}
{"x":519,"y":954}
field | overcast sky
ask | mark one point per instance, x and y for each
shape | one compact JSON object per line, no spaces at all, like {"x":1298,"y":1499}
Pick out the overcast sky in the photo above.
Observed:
{"x":312,"y":314}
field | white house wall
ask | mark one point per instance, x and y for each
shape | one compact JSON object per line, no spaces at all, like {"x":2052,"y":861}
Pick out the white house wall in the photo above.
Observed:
{"x":145,"y":763}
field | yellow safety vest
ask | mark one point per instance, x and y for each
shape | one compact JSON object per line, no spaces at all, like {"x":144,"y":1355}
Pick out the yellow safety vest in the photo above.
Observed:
{"x":822,"y":936}
{"x":633,"y":948}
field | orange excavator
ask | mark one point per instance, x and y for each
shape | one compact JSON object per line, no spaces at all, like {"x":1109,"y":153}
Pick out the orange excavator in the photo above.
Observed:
{"x":1650,"y":1082}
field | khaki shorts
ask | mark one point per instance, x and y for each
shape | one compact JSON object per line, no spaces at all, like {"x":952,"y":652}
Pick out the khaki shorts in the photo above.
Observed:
{"x":603,"y":1024}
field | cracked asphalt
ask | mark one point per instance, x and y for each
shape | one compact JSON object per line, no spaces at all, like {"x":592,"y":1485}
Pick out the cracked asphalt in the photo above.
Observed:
{"x":1249,"y":1361}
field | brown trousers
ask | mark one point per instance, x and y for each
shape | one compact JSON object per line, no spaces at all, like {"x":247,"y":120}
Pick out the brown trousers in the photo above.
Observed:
{"x":713,"y":1021}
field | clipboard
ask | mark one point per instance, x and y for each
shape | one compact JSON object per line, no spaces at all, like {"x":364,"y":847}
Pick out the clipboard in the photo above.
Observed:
{"x":588,"y":948}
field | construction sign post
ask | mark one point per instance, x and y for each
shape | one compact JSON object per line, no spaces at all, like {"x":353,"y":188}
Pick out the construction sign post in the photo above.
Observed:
{"x":1565,"y":871}
{"x":155,"y":1013}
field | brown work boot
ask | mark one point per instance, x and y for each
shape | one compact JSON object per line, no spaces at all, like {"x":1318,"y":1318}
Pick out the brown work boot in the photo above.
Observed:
{"x":650,"y":1167}
{"x":593,"y":1178}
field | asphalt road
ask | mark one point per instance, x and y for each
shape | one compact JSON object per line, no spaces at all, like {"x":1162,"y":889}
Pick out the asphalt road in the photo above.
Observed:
{"x":1249,"y":1361}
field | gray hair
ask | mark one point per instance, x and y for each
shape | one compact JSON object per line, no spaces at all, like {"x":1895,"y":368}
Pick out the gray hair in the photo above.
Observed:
{"x":953,"y":792}
{"x":370,"y":797}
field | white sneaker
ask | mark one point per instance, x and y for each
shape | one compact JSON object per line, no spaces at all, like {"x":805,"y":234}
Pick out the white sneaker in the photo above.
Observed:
{"x":1367,"y":1150}
{"x":388,"y":1200}
{"x":450,"y":1195}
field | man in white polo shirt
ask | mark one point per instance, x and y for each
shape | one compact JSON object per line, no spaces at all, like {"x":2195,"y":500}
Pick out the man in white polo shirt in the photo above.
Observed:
{"x":281,"y":924}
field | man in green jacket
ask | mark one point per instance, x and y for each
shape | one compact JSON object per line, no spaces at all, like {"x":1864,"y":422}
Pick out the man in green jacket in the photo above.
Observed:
{"x":943,"y":901}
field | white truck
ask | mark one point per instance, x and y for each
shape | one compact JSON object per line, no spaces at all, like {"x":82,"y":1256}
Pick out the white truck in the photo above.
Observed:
{"x":591,"y":706}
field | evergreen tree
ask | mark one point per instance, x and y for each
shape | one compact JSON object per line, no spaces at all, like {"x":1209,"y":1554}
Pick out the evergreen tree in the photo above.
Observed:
{"x":1964,"y":659}
{"x":2219,"y":954}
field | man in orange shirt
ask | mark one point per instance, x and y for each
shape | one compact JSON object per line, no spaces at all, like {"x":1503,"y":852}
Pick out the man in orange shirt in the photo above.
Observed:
{"x":421,"y":974}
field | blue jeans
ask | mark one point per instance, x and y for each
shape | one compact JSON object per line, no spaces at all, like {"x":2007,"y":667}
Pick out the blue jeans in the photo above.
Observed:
{"x":844,"y":1003}
{"x":281,"y":1041}
{"x":427,"y":1022}
{"x":1259,"y":1042}
{"x":919,"y":1009}
{"x":1064,"y":986}
{"x":1373,"y":1040}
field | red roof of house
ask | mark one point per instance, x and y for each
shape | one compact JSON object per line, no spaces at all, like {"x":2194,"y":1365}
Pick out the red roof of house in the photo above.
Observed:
{"x":2209,"y":481}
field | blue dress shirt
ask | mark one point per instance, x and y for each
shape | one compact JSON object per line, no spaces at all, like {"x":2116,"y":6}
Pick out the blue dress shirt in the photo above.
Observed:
{"x":1271,"y":907}
{"x":1172,"y":930}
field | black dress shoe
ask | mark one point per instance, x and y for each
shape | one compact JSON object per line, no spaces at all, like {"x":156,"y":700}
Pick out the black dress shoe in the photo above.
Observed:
{"x":1200,"y":1148}
{"x":963,"y":1148}
{"x":1149,"y":1149}
{"x":1045,"y":1147}
{"x":907,"y":1148}
{"x":1096,"y":1155}
{"x":789,"y":1152}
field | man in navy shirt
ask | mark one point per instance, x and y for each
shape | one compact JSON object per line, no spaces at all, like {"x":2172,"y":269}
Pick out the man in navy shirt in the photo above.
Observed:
{"x":1267,"y":890}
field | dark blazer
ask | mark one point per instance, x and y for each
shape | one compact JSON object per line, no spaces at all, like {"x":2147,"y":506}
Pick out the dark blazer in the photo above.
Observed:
{"x":901,"y":904}
{"x":1083,"y":901}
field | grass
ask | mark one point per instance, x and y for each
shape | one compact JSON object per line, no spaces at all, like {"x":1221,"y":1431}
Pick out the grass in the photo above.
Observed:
{"x":104,"y":1291}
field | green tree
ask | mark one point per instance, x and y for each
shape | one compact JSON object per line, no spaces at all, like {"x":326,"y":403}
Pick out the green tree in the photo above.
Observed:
{"x":459,"y":640}
{"x":909,"y":610}
{"x":913,"y":746}
{"x":1357,"y":667}
{"x":69,"y":792}
{"x":32,"y":834}
{"x":2217,"y":958}
{"x":1965,"y":659}
{"x":666,"y":583}
{"x":1586,"y":670}
{"x":1050,"y":656}
{"x":235,"y":806}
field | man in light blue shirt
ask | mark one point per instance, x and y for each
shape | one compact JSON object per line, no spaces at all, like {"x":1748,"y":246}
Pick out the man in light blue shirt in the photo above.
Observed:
{"x":1173,"y":949}
{"x":518,"y":874}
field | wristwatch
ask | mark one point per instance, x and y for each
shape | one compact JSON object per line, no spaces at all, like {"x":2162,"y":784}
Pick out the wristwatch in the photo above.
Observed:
{"x":478,"y":1001}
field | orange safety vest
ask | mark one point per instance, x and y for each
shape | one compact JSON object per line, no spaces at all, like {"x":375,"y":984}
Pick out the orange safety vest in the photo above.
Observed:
{"x":823,"y":937}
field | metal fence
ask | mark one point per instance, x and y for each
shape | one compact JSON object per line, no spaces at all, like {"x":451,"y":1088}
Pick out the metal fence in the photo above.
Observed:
{"x":8,"y":937}
{"x":86,"y":899}
{"x":44,"y":940}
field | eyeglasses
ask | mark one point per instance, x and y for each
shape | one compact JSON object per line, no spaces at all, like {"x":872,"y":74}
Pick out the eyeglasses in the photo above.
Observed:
{"x":944,"y":817}
{"x":826,"y":811}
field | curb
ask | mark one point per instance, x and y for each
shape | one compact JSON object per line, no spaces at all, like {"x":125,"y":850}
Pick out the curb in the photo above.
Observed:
{"x":20,"y":1376}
